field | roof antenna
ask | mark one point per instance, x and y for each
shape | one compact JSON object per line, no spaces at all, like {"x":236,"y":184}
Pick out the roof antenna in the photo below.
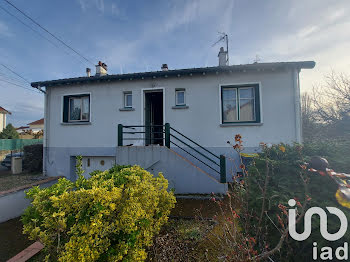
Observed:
{"x":223,"y":37}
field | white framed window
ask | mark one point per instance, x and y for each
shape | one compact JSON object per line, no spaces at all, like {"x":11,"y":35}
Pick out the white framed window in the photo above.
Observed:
{"x":76,"y":108}
{"x":180,"y":97}
{"x":127,"y":99}
{"x":240,"y":104}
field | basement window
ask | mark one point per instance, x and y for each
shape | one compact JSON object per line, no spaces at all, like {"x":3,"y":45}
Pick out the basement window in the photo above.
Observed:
{"x":240,"y":104}
{"x":180,"y":97}
{"x":127,"y":100}
{"x":76,"y":108}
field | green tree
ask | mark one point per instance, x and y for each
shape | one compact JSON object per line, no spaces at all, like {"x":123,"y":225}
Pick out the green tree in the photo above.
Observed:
{"x":9,"y":132}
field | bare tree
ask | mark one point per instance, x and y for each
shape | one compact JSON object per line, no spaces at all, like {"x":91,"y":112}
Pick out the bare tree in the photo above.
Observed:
{"x":309,"y":122}
{"x":332,"y":99}
{"x":331,"y":103}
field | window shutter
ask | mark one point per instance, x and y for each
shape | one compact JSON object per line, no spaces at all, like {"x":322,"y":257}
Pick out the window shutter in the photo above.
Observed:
{"x":65,"y":108}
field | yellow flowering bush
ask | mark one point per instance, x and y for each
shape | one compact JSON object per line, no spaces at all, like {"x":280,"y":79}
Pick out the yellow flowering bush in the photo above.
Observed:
{"x":111,"y":216}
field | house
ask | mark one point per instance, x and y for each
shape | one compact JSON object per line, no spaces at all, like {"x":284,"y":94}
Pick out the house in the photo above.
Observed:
{"x":32,"y":128}
{"x":37,"y":125}
{"x":22,"y":129}
{"x":174,"y":121}
{"x":3,"y":113}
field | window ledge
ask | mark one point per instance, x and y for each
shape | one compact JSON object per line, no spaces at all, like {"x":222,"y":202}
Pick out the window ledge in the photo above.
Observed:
{"x":241,"y":124}
{"x":127,"y":109}
{"x":75,"y":123}
{"x":180,"y":107}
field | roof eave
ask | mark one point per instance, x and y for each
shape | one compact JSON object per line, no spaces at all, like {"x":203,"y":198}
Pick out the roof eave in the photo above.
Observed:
{"x":177,"y":72}
{"x":5,"y":112}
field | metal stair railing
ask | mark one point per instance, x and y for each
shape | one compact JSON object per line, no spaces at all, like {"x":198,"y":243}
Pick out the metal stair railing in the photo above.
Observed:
{"x":216,"y":163}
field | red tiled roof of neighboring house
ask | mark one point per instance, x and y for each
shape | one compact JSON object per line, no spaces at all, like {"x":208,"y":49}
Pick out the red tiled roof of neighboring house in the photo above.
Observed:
{"x":22,"y":127}
{"x":37,"y":122}
{"x":3,"y":110}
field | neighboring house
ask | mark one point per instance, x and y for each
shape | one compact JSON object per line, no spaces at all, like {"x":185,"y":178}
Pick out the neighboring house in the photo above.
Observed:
{"x":98,"y":116}
{"x":37,"y":125}
{"x":22,"y":129}
{"x":3,"y":113}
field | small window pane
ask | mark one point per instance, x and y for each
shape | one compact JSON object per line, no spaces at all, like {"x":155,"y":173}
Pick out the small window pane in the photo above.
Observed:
{"x":180,"y":97}
{"x":75,"y":108}
{"x":128,"y":100}
{"x":229,"y":93}
{"x":246,"y":92}
{"x":229,"y":111}
{"x":246,"y":110}
{"x":86,"y":109}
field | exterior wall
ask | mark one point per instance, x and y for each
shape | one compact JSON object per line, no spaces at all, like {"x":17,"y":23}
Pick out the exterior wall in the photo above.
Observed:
{"x":200,"y":121}
{"x":13,"y":204}
{"x":36,"y":128}
{"x":183,"y":177}
{"x":2,"y":121}
{"x":92,"y":163}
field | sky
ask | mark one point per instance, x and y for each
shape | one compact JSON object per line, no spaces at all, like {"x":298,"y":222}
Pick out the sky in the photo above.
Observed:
{"x":136,"y":36}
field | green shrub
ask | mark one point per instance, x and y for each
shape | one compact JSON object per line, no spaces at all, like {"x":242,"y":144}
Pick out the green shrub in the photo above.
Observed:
{"x":111,"y":216}
{"x":283,"y":165}
{"x":33,"y":158}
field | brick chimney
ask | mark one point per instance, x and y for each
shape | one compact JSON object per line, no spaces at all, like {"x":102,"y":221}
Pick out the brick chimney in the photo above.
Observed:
{"x":164,"y":67}
{"x":88,"y":72}
{"x":101,"y":69}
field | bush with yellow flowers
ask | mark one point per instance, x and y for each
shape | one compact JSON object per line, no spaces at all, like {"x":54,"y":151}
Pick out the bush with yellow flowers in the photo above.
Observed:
{"x":111,"y":216}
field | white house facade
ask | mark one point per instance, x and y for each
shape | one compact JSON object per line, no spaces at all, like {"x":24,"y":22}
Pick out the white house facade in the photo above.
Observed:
{"x":3,"y":113}
{"x":37,"y":125}
{"x":260,"y":101}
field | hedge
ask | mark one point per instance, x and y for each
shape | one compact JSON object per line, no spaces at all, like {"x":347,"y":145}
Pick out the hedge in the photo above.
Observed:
{"x":111,"y":216}
{"x":33,"y":158}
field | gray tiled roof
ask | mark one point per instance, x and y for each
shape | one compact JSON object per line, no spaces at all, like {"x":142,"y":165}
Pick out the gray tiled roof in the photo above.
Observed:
{"x":178,"y":72}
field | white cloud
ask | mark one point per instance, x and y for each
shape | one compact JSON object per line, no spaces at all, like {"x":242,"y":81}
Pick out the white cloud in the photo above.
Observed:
{"x":336,"y":14}
{"x":200,"y":11}
{"x":100,"y":5}
{"x":180,"y":18}
{"x":87,"y":4}
{"x":182,"y":15}
{"x":82,"y":4}
{"x":4,"y":30}
{"x":307,"y":31}
{"x":25,"y":106}
{"x":320,"y":35}
{"x":116,"y":10}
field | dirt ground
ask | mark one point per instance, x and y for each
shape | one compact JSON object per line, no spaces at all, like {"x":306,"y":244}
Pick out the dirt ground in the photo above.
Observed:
{"x":9,"y":181}
{"x":12,"y":240}
{"x":194,"y":207}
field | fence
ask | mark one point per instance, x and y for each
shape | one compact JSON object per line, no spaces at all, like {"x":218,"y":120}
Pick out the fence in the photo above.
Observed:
{"x":17,"y":144}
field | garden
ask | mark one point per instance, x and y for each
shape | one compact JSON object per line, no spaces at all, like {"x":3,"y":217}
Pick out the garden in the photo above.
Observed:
{"x":127,"y":214}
